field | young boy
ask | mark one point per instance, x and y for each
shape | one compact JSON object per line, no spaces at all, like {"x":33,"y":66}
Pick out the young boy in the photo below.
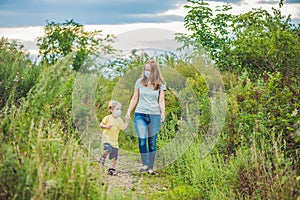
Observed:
{"x":111,"y":125}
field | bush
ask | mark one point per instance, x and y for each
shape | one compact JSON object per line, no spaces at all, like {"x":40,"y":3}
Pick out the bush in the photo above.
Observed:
{"x":17,"y":74}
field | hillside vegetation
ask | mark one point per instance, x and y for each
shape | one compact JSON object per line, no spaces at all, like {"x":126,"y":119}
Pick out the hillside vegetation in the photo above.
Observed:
{"x":256,"y":150}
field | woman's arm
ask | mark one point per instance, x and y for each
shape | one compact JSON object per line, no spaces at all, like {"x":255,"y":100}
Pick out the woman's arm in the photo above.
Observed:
{"x":133,"y":102}
{"x":161,"y":101}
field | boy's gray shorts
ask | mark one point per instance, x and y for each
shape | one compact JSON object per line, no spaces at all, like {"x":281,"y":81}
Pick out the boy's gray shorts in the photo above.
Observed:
{"x":113,"y":152}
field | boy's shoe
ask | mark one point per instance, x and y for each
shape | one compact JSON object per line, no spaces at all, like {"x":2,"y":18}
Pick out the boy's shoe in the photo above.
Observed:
{"x":112,"y":172}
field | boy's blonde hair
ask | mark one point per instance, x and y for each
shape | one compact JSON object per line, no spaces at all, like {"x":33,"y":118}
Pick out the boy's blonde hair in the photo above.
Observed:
{"x":112,"y":104}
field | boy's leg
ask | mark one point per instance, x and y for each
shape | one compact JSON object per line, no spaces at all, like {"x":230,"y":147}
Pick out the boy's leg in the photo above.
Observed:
{"x":103,"y":157}
{"x":113,"y":156}
{"x":107,"y":150}
{"x":113,"y":163}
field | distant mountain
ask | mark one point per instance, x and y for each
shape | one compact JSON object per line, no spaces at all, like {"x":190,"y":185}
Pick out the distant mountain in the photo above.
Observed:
{"x":30,"y":47}
{"x":147,"y":38}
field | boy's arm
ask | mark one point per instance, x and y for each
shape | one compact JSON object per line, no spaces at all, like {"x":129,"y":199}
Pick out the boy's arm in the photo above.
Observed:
{"x":103,"y":125}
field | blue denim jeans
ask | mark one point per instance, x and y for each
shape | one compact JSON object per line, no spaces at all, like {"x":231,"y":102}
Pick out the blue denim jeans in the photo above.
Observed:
{"x":147,"y":127}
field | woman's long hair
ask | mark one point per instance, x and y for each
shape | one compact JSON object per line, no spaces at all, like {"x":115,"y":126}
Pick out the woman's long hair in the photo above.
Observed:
{"x":155,"y":77}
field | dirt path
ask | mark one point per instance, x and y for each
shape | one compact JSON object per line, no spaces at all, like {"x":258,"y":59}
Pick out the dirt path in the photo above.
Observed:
{"x":129,"y":182}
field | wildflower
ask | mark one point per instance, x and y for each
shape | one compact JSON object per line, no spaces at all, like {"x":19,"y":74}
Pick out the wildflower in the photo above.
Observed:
{"x":16,"y":78}
{"x":294,"y":113}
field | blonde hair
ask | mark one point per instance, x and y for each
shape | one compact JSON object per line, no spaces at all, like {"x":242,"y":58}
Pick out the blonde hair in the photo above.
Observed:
{"x":112,"y":104}
{"x":155,"y":76}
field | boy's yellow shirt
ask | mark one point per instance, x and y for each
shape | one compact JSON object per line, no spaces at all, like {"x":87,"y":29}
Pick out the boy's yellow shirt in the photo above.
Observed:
{"x":111,"y":135}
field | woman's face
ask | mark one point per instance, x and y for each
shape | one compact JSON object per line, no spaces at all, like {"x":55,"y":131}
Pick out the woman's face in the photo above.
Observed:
{"x":148,"y":67}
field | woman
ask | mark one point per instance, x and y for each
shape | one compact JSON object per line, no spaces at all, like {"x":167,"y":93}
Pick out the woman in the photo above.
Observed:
{"x":150,"y":112}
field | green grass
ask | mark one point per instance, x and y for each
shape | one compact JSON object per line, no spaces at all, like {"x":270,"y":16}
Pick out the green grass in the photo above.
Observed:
{"x":42,"y":155}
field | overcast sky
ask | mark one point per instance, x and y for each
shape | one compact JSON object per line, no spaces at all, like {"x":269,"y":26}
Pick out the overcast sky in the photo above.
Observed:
{"x":24,"y":19}
{"x":20,"y":13}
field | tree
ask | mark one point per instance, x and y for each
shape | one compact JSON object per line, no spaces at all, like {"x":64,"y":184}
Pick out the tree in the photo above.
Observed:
{"x":209,"y":31}
{"x":266,"y":42}
{"x":257,"y":41}
{"x":62,"y":38}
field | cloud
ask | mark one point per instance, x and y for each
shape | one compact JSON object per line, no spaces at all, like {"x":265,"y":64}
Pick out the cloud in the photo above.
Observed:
{"x":16,"y":13}
{"x":268,"y":2}
{"x":37,"y":12}
{"x":227,"y":1}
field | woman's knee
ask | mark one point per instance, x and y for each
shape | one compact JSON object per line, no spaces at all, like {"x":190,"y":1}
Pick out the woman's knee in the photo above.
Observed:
{"x":152,"y":144}
{"x":142,"y":141}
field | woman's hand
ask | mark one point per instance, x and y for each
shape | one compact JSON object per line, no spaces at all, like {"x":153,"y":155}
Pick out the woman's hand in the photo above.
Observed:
{"x":127,"y":116}
{"x":162,"y":117}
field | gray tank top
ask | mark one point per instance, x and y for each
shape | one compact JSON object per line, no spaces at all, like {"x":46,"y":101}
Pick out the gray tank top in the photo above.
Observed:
{"x":148,"y":99}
